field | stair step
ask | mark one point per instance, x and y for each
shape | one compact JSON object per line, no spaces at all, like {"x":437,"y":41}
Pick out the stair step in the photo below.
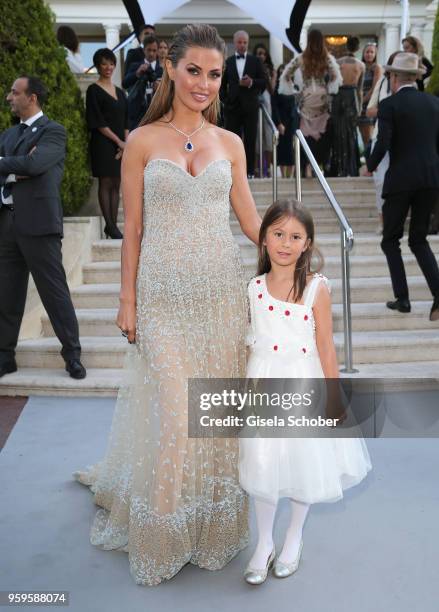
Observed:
{"x":403,"y":370}
{"x":99,"y":382}
{"x":391,"y":346}
{"x":329,"y":244}
{"x":324,"y":226}
{"x":336,"y":184}
{"x":97,"y":352}
{"x":365,"y":317}
{"x":361,"y":265}
{"x":92,"y":322}
{"x":105,"y":382}
{"x":327,"y":225}
{"x":317,"y":201}
{"x":368,"y":347}
{"x":375,"y":290}
{"x":320,"y":210}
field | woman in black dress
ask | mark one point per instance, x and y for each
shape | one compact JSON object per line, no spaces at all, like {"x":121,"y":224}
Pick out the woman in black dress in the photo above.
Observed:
{"x":107,"y":120}
{"x":286,"y":119}
{"x":411,"y":44}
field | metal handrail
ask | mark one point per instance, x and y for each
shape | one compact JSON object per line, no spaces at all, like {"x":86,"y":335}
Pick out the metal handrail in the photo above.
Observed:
{"x":264,"y":114}
{"x":347,"y":241}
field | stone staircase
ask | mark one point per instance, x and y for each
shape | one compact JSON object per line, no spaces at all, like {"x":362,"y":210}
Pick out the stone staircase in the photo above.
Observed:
{"x":385,"y":343}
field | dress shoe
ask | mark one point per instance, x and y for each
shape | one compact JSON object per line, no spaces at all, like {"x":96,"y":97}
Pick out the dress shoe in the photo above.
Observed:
{"x":400,"y":304}
{"x":254,"y":575}
{"x":283,"y":570}
{"x":113,"y":232}
{"x":8,"y":367}
{"x":434,"y":312}
{"x":75,"y":368}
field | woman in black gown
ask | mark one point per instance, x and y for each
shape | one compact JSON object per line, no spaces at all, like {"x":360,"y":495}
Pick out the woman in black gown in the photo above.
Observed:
{"x":286,"y":119}
{"x":107,"y":120}
{"x":411,"y":44}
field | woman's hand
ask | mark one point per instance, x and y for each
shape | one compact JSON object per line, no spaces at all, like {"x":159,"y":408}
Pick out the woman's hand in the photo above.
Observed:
{"x":121,"y":144}
{"x":126,"y":319}
{"x":281,"y":129}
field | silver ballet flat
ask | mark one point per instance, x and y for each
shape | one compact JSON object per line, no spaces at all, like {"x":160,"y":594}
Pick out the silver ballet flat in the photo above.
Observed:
{"x":283,"y":570}
{"x":258,"y":576}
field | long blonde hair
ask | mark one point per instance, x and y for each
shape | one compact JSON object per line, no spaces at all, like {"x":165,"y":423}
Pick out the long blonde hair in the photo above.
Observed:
{"x":192,"y":35}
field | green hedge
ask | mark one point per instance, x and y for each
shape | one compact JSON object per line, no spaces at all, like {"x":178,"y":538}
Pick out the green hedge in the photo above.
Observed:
{"x":28,"y":45}
{"x":433,"y":85}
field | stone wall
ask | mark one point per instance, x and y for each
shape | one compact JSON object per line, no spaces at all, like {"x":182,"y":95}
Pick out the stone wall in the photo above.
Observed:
{"x":79,"y":234}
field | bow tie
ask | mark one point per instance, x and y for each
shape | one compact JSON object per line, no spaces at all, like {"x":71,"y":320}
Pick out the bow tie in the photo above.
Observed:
{"x":239,"y":56}
{"x":22,"y":127}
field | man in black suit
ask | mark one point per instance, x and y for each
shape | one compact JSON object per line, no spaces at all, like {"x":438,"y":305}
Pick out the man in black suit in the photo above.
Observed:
{"x":31,"y":225}
{"x":243,"y":80}
{"x":408,"y":127}
{"x":136,"y":55}
{"x":142,"y":80}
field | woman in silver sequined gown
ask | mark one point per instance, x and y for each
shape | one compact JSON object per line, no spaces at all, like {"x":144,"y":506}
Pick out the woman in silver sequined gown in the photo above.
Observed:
{"x":167,"y":499}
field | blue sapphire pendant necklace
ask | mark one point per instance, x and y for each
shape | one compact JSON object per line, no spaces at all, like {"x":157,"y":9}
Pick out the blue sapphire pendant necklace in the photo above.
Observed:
{"x":188,"y":146}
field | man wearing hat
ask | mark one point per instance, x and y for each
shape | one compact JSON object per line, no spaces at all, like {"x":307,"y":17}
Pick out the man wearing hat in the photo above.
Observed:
{"x":408,"y":128}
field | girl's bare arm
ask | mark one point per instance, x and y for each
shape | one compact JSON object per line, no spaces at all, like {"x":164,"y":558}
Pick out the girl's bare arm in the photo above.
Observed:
{"x":324,"y":338}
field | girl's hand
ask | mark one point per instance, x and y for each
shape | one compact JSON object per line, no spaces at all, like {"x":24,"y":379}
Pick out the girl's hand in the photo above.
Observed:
{"x":281,"y":129}
{"x":118,"y":154}
{"x":126,"y":320}
{"x":121,"y":144}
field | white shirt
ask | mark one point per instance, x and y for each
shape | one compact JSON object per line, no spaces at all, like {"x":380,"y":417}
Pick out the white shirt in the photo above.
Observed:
{"x":240,"y":63}
{"x":74,"y":61}
{"x":11,"y":177}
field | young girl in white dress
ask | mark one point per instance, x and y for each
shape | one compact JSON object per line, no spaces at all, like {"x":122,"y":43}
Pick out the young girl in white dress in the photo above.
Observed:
{"x":290,"y":336}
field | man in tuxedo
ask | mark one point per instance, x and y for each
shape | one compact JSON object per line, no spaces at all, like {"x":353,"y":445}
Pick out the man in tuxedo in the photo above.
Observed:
{"x":243,"y":80}
{"x":31,"y":225}
{"x":136,"y":55}
{"x":408,"y":127}
{"x":142,"y":80}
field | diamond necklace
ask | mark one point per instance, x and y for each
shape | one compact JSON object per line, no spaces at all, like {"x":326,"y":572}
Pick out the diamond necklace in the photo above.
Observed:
{"x":188,"y":146}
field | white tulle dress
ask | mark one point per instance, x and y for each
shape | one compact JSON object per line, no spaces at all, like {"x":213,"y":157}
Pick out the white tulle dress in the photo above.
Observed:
{"x":282,"y":345}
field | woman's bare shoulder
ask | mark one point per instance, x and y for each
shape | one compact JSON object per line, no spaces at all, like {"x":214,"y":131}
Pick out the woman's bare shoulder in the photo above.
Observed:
{"x":229,"y":141}
{"x":140,"y":138}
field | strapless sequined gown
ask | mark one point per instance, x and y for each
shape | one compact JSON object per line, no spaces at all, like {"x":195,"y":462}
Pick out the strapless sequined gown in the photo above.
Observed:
{"x":166,"y":499}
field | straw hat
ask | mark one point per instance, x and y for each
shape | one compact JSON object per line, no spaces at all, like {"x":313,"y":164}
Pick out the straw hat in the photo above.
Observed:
{"x":406,"y":63}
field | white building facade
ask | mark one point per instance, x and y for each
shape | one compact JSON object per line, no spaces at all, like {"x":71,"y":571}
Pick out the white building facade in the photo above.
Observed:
{"x":101,"y":23}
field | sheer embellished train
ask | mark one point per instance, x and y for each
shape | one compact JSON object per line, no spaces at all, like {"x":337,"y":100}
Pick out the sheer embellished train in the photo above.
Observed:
{"x":164,"y":498}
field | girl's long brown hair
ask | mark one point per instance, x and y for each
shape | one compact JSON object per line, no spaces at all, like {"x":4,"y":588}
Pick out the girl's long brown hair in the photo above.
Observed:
{"x":192,"y":35}
{"x":315,"y":57}
{"x":294,"y":210}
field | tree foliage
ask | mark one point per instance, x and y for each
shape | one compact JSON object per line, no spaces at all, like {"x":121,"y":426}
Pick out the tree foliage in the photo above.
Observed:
{"x":433,"y":85}
{"x":28,"y":45}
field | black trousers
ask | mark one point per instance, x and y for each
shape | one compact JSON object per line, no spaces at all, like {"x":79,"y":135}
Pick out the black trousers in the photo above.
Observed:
{"x":395,"y":211}
{"x":245,"y":124}
{"x":42,"y":257}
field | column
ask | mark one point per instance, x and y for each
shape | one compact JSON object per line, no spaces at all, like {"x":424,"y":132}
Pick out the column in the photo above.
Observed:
{"x":304,"y":34}
{"x":112,"y":38}
{"x":382,"y":59}
{"x":276,"y":51}
{"x":392,"y":40}
{"x":417,"y":30}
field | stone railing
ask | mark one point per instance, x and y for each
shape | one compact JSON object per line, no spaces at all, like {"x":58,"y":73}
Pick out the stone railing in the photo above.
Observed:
{"x":84,"y":80}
